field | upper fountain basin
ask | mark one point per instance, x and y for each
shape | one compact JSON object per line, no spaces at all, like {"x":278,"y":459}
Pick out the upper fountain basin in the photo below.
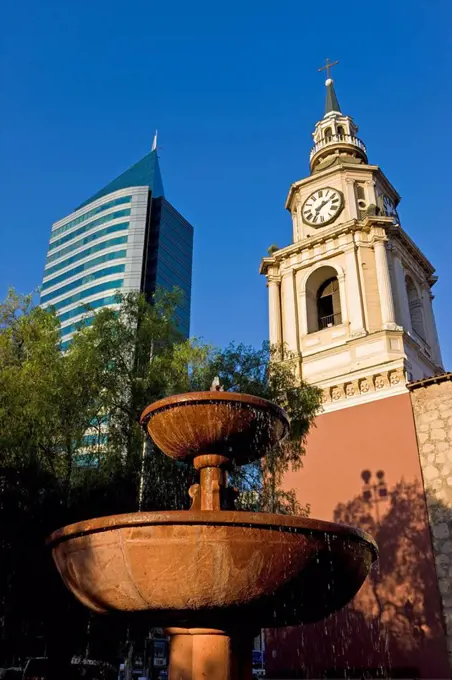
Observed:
{"x":240,"y":427}
{"x":213,"y":568}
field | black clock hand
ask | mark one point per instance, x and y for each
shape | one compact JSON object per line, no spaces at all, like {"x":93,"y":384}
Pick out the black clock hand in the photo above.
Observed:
{"x":321,"y":206}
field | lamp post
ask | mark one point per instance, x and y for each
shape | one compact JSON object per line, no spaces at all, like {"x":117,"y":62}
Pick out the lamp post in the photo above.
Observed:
{"x":374,"y":492}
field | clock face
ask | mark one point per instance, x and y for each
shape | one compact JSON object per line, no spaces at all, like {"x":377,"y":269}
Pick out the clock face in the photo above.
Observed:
{"x":322,"y":207}
{"x":389,"y":207}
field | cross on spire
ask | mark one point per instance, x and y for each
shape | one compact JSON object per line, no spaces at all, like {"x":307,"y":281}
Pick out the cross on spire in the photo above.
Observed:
{"x":328,"y":66}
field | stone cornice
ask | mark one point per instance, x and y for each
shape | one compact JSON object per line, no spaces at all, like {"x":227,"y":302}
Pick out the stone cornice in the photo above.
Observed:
{"x":387,"y":382}
{"x":326,"y":234}
{"x":419,"y":345}
{"x":389,"y":188}
{"x":342,"y":168}
{"x":351,"y":340}
{"x":433,"y":380}
{"x":370,"y":225}
{"x":309,"y":242}
{"x":266,"y":262}
{"x":398,"y":234}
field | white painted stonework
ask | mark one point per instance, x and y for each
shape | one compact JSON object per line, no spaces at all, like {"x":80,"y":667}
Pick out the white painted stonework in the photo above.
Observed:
{"x":382,"y":333}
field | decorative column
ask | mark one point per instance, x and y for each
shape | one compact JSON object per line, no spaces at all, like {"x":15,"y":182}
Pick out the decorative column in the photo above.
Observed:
{"x":384,"y":286}
{"x":302,"y":303}
{"x":351,"y":198}
{"x":274,"y":309}
{"x":402,"y":296}
{"x":370,"y":192}
{"x":354,"y":297}
{"x":295,"y":226}
{"x":289,"y":312}
{"x":343,"y":297}
{"x":432,"y":333}
{"x":299,"y":226}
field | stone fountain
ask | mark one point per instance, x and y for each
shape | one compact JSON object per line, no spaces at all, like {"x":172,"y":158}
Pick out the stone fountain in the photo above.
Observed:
{"x":213,"y":576}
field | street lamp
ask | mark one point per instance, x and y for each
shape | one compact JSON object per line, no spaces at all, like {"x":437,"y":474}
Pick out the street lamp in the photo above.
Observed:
{"x":374,"y":493}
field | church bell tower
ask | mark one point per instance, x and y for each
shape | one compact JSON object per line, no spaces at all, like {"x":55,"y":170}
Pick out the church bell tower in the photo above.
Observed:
{"x":351,"y":295}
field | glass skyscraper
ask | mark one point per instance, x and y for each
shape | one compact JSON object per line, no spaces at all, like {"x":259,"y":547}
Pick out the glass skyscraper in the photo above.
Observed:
{"x":126,"y":237}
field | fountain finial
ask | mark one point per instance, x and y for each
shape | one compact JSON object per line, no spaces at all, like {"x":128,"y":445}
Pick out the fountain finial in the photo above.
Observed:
{"x":215,"y":386}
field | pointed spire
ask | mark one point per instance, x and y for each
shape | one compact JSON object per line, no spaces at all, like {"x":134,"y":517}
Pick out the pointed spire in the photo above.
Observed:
{"x":332,"y":103}
{"x":154,"y":143}
{"x":144,"y":173}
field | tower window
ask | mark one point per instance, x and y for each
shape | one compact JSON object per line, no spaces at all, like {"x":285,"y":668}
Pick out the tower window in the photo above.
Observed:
{"x":340,"y":131}
{"x":323,"y":303}
{"x":328,"y":134}
{"x":329,"y":304}
{"x":415,"y":305}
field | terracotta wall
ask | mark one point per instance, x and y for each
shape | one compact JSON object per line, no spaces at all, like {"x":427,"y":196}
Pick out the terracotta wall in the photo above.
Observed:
{"x":394,"y":625}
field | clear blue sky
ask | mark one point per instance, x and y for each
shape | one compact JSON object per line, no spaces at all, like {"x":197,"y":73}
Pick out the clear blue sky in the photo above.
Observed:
{"x":234,"y":90}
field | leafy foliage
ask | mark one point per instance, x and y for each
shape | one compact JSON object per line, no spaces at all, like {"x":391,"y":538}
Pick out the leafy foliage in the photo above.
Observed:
{"x":260,"y":372}
{"x":71,"y":446}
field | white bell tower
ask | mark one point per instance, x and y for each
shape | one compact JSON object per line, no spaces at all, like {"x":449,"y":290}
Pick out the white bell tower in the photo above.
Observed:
{"x":351,"y":295}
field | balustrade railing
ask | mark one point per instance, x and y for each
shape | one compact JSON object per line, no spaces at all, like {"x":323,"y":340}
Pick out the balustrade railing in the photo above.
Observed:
{"x":337,"y":139}
{"x":328,"y":321}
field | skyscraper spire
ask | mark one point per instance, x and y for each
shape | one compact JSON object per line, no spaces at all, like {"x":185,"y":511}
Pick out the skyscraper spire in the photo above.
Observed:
{"x":146,"y":172}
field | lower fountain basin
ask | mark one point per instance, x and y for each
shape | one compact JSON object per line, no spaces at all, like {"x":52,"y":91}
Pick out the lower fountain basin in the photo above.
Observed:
{"x":208,"y":568}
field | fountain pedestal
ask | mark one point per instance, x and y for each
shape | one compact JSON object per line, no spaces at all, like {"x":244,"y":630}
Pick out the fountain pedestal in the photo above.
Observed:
{"x":212,"y":480}
{"x":209,"y":653}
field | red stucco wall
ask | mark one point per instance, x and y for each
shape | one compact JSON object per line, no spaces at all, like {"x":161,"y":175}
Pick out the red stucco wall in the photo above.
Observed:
{"x":395,"y":622}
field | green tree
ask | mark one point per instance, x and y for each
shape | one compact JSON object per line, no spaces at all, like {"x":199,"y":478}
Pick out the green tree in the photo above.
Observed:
{"x":71,"y":446}
{"x":260,"y":372}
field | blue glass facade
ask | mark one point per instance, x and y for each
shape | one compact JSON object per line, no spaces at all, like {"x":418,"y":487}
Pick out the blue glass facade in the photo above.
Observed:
{"x":100,"y":274}
{"x":145,"y":173}
{"x":170,"y":254}
{"x":94,"y":253}
{"x":89,"y":214}
{"x":88,"y":292}
{"x":115,"y":255}
{"x":86,"y":307}
{"x":88,"y":227}
{"x":88,"y":239}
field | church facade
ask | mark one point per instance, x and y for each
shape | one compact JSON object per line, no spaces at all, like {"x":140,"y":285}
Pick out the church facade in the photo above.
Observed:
{"x":351,"y":298}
